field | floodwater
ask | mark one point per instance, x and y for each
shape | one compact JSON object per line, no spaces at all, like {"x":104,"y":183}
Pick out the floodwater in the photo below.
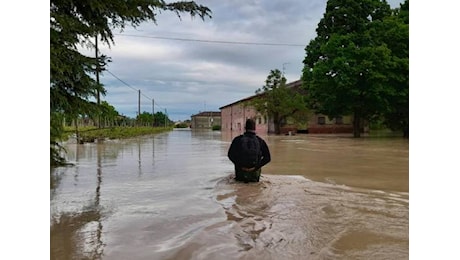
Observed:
{"x":172,"y":196}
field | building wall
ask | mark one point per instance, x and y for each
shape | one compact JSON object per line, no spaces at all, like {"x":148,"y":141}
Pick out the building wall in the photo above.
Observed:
{"x":205,"y":120}
{"x":321,"y":124}
{"x":234,"y":118}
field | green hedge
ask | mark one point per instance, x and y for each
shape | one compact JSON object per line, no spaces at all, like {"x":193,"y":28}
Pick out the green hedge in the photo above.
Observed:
{"x":90,"y":134}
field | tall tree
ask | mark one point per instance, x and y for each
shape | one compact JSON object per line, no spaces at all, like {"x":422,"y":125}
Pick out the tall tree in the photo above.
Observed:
{"x":77,"y":23}
{"x":394,"y":32}
{"x":277,"y":101}
{"x":346,"y":66}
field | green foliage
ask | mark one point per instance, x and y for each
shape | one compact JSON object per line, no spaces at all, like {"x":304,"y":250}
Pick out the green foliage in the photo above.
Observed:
{"x":108,"y":111}
{"x":90,"y":134}
{"x":56,"y":130}
{"x":75,"y":24}
{"x":396,"y":36}
{"x":181,"y":125}
{"x":278,"y":101}
{"x":356,"y":64}
{"x":216,"y":128}
{"x":161,"y":119}
{"x":145,"y":118}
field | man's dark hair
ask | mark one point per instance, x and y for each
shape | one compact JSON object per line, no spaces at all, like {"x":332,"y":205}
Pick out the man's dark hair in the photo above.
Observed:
{"x":250,"y":124}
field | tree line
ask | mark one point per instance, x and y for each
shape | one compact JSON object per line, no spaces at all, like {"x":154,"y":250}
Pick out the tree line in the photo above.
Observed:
{"x":102,"y":120}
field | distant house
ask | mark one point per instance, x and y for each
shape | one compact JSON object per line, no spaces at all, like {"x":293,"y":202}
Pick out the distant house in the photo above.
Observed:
{"x":234,"y":116}
{"x":206,"y":120}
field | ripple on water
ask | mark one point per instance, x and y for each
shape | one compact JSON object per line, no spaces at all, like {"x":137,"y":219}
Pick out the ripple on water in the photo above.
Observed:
{"x":290,"y":217}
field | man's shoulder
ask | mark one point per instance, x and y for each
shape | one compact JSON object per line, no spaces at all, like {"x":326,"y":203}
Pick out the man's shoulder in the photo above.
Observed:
{"x":237,"y":138}
{"x":261,"y":140}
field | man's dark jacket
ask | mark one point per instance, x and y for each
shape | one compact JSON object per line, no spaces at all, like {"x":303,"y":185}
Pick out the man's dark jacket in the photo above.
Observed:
{"x":235,"y":150}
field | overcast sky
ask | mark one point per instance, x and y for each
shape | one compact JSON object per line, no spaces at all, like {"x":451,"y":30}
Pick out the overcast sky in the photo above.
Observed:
{"x":189,"y":65}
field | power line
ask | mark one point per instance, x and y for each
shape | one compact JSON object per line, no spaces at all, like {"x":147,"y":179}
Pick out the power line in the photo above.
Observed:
{"x":213,"y":41}
{"x":120,"y":80}
{"x":149,"y":98}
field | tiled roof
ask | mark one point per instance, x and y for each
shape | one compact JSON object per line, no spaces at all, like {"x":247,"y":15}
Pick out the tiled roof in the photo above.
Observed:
{"x":208,"y":113}
{"x":294,"y":84}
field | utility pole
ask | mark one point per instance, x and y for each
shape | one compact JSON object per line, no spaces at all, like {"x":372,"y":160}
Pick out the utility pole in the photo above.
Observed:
{"x":98,"y":92}
{"x":153,"y":113}
{"x":139,"y":103}
{"x":165,"y":116}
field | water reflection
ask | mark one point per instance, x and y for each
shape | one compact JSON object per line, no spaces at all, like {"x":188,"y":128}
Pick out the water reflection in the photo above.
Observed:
{"x":78,"y":235}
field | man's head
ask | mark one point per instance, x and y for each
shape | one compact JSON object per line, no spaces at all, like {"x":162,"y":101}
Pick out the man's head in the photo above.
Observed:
{"x":250,"y":125}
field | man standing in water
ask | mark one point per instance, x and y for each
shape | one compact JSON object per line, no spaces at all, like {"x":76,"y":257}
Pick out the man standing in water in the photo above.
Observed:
{"x":249,"y":153}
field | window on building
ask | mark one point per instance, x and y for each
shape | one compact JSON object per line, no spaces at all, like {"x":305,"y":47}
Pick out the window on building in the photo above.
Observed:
{"x":339,"y":120}
{"x":259,"y":120}
{"x":321,"y":120}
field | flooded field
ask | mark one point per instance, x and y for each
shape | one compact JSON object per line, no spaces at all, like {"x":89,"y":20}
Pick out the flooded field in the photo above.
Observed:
{"x":172,"y":196}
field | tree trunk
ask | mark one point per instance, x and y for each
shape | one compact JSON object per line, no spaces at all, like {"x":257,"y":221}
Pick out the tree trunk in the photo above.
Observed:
{"x":277,"y":128}
{"x":276,"y":122}
{"x":356,"y":125}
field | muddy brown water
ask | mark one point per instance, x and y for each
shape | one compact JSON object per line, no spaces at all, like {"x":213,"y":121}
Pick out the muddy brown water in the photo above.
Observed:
{"x":172,"y":196}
